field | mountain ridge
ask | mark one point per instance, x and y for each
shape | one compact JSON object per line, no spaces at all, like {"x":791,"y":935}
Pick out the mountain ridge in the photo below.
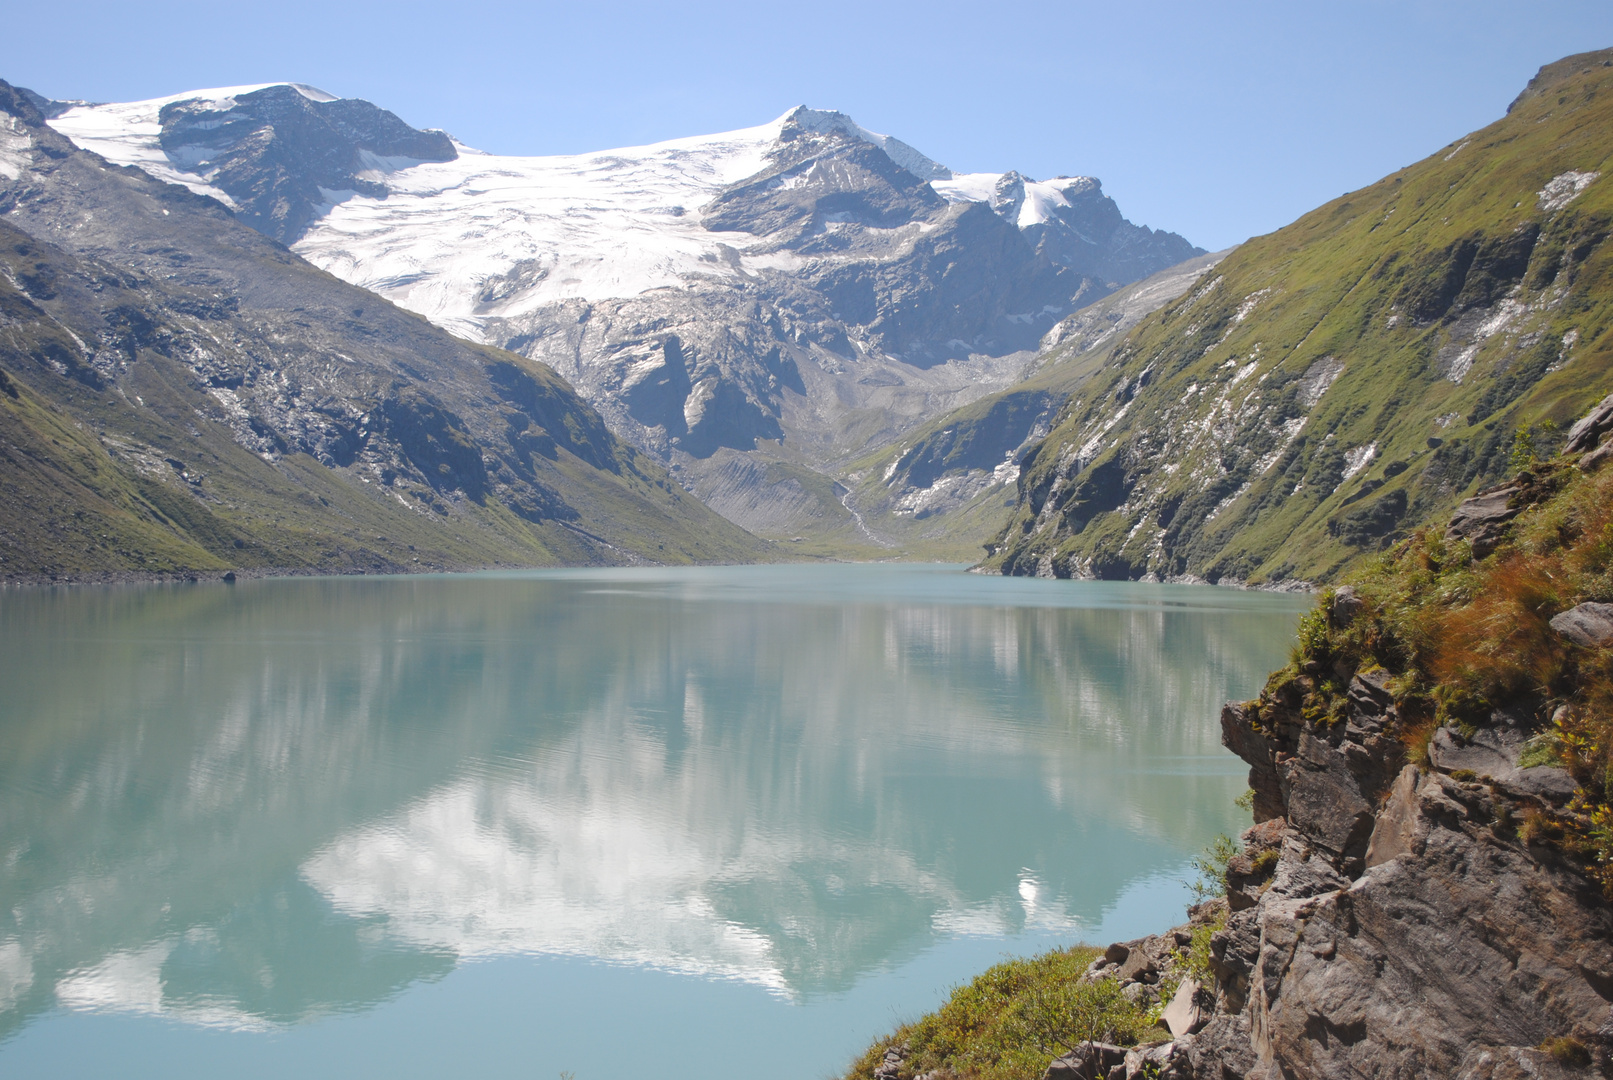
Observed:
{"x":1358,"y":371}
{"x":183,"y":395}
{"x":767,"y":291}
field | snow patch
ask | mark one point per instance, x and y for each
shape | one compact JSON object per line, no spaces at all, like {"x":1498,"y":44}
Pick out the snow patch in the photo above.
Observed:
{"x":16,"y":147}
{"x":1564,"y":188}
{"x":1043,"y":198}
{"x":1357,"y":459}
{"x":1318,"y":379}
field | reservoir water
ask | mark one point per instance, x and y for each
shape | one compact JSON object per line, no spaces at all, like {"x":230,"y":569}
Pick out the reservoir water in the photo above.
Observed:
{"x":609,"y":823}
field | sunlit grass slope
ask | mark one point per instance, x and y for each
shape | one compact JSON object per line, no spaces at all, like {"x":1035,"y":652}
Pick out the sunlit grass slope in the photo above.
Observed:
{"x":1334,"y":383}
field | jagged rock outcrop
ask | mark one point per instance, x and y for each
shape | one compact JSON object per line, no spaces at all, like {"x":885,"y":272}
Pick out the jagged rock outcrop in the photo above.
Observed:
{"x":1424,"y":892}
{"x":1409,"y":933}
{"x":1405,"y":927}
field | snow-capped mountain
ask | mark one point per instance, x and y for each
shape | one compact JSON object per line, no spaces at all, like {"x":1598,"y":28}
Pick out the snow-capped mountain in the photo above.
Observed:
{"x":806,"y":283}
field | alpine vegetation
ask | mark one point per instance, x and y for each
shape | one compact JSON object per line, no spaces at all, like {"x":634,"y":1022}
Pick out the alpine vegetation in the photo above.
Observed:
{"x":1332,"y":384}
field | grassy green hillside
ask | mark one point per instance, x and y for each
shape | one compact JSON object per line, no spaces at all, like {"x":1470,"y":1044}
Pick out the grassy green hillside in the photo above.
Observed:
{"x":1359,"y":371}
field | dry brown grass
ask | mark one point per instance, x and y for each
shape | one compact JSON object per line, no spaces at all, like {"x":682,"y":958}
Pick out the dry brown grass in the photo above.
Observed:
{"x":1461,"y":637}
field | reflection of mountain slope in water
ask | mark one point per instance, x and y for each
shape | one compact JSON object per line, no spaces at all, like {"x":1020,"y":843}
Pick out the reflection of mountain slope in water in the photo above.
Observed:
{"x":217,"y":802}
{"x":284,"y":957}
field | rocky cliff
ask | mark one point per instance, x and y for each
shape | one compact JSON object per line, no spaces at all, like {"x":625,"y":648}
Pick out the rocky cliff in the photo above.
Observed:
{"x":1357,"y":372}
{"x":1425,"y":890}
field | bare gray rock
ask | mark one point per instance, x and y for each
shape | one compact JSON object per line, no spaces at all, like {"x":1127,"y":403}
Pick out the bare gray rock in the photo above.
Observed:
{"x":1489,"y":753}
{"x":1597,"y":458}
{"x":1587,"y":432}
{"x":1344,"y":605}
{"x":1483,"y":519}
{"x":1089,"y":1061}
{"x":1448,"y":948}
{"x":1160,"y":1061}
{"x":1185,"y":1014}
{"x":1589,"y":624}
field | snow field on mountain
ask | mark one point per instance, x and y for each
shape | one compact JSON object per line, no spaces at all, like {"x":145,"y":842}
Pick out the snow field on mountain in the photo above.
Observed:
{"x":1042,"y":197}
{"x":452,"y":237}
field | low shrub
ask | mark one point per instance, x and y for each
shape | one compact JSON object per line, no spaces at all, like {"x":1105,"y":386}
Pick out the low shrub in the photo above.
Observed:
{"x":1012,"y":1021}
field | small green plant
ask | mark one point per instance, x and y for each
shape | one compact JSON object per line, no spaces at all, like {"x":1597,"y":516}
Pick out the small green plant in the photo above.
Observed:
{"x":1523,"y":454}
{"x":1059,"y":1017}
{"x":1246,"y":801}
{"x":1212,"y":868}
{"x":1544,"y":749}
{"x":1313,"y":643}
{"x":1197,"y":965}
{"x":1567,"y":1050}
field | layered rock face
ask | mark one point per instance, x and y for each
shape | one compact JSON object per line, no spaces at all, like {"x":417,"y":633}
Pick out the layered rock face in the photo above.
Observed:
{"x":1407,"y":930}
{"x":1384,"y":919}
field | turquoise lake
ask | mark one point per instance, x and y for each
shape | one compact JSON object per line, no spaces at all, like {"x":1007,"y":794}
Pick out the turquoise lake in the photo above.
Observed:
{"x":606,"y":822}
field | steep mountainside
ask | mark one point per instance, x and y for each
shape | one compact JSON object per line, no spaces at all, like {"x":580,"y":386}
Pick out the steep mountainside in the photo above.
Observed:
{"x":770,"y":302}
{"x":947,"y":487}
{"x":1358,"y":371}
{"x":179,"y":393}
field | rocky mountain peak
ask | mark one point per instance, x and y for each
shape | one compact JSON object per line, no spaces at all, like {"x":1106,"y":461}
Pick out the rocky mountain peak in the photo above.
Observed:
{"x":802,"y":120}
{"x":274,"y":149}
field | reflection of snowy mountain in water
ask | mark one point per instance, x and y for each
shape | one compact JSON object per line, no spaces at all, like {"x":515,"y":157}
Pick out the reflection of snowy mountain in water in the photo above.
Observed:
{"x":295,"y":798}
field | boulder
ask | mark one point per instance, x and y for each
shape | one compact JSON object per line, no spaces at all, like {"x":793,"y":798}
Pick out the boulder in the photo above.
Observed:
{"x":1589,"y":624}
{"x":1544,"y":782}
{"x":1343,"y":606}
{"x":1143,"y":959}
{"x":1089,"y":1061}
{"x":1164,"y":1061}
{"x":1587,"y":432}
{"x":1597,"y":458}
{"x":1185,"y":1015}
{"x":1483,"y":519}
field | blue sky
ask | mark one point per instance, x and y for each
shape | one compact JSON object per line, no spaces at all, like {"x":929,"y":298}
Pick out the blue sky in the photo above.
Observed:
{"x":1219,"y":121}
